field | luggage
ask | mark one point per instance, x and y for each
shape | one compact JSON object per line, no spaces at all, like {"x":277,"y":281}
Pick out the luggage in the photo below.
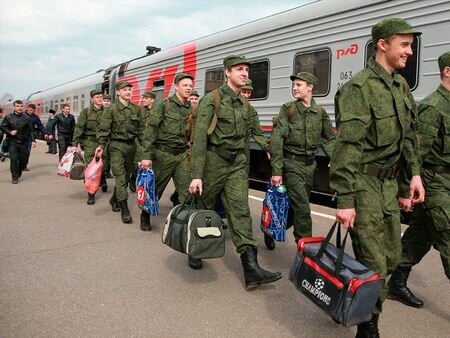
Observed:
{"x":275,"y":212}
{"x":192,"y":230}
{"x":93,"y":175}
{"x":147,"y":196}
{"x":341,"y":286}
{"x":78,"y":167}
{"x":66,"y":162}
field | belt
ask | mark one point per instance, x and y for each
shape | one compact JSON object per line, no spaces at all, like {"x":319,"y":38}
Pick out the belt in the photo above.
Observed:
{"x":170,"y":150}
{"x":308,"y":160}
{"x":128,"y":141}
{"x":227,"y":154}
{"x":381,"y":173}
{"x":440,"y":169}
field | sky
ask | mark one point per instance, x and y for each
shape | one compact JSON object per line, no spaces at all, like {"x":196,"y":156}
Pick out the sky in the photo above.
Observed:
{"x":44,"y":43}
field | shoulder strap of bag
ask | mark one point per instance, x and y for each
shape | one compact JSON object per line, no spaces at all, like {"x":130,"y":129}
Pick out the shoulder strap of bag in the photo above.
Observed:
{"x":214,"y":120}
{"x":291,"y":110}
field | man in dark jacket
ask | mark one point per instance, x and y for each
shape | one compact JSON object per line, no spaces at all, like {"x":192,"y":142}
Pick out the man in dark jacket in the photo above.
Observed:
{"x":38,"y":129}
{"x":66,"y":125}
{"x":18,"y":129}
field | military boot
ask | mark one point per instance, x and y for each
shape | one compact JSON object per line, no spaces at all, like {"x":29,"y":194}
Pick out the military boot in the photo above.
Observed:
{"x":368,"y":329}
{"x":253,"y":273}
{"x":145,"y":221}
{"x":91,"y":199}
{"x":132,"y":184}
{"x":104,"y":184}
{"x":269,"y":242}
{"x":114,"y":205}
{"x":174,"y":198}
{"x":398,"y":289}
{"x":124,"y":212}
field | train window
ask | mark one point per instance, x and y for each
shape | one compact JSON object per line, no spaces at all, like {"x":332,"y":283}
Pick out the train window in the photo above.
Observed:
{"x":56,"y":106}
{"x":317,"y":63}
{"x":259,"y":74}
{"x":82,"y":102}
{"x":411,"y":71}
{"x":75,"y":103}
{"x":214,"y":79}
{"x":158,"y":90}
{"x":51,"y":104}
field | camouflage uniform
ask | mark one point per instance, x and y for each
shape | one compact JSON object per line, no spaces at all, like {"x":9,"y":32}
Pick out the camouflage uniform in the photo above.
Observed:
{"x":219,"y":159}
{"x":375,"y":114}
{"x":294,"y":143}
{"x":166,"y":145}
{"x":121,"y":125}
{"x":430,"y":221}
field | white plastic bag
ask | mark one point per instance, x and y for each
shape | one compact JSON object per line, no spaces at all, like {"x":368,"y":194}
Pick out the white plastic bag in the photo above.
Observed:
{"x":66,"y":162}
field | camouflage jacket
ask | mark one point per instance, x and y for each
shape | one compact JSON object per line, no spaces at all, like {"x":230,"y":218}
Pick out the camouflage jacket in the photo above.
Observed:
{"x":121,"y":123}
{"x":87,"y":124}
{"x":146,"y":111}
{"x":236,"y":120}
{"x":375,"y":114}
{"x":300,"y":131}
{"x":166,"y":126}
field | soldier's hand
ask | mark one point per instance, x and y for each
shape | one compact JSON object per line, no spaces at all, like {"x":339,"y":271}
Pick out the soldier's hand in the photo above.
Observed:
{"x":416,"y":190}
{"x":13,"y":132}
{"x":404,"y":204}
{"x":50,"y":137}
{"x":98,"y":152}
{"x":146,"y":164}
{"x":33,"y":144}
{"x":269,"y":156}
{"x":277,"y":180}
{"x":196,"y":185}
{"x":346,"y":217}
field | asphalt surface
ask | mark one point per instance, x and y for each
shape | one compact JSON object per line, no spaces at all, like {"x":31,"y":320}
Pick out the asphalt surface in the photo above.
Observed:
{"x":72,"y":270}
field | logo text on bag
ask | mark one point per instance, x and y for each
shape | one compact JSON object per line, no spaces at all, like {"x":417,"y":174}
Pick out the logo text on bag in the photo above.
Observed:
{"x":316,"y":290}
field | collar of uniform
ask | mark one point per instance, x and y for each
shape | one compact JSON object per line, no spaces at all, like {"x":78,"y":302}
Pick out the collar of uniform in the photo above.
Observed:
{"x":302,"y":108}
{"x":175,"y":99}
{"x":121,"y":106}
{"x":444,"y":92}
{"x":95,"y":109}
{"x":382,"y":73}
{"x":234,"y":97}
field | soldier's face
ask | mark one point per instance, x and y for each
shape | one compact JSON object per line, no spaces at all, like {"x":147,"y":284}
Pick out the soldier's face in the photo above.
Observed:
{"x":246,"y":93}
{"x":398,"y":50}
{"x":125,"y":93}
{"x":193,"y":99}
{"x":18,"y":107}
{"x":237,"y":75}
{"x":106,"y":103}
{"x":184,"y":88}
{"x":301,"y":89}
{"x":147,"y":101}
{"x":97,"y":99}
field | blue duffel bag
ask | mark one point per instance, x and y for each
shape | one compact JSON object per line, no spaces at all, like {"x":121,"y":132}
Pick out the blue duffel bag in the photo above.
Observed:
{"x":340,"y":285}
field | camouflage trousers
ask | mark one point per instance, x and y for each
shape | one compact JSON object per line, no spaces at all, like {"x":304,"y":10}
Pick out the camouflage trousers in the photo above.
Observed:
{"x":429,"y":226}
{"x":230,"y":182}
{"x":167,"y":166}
{"x":122,"y":157}
{"x":376,"y":235}
{"x":298,"y":179}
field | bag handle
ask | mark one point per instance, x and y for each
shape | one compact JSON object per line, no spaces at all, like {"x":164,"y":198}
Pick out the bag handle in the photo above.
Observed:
{"x":339,"y":245}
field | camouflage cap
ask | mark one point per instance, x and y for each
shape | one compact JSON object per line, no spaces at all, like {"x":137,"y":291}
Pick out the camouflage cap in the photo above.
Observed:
{"x":149,"y":94}
{"x":305,"y":76}
{"x":444,"y":61}
{"x":391,"y":26}
{"x":233,"y":60}
{"x":123,"y":84}
{"x":195,"y":93}
{"x":182,"y":76}
{"x":95,"y":92}
{"x":248,"y":85}
{"x":107,"y":96}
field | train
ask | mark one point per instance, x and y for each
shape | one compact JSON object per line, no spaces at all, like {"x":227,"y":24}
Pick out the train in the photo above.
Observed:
{"x":331,"y":39}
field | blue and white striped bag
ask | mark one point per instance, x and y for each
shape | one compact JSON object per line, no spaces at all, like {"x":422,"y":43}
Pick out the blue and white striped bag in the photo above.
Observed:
{"x":147,"y":196}
{"x":275,"y":212}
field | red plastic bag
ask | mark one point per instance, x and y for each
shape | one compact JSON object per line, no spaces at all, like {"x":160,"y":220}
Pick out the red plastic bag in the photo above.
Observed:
{"x":93,"y":175}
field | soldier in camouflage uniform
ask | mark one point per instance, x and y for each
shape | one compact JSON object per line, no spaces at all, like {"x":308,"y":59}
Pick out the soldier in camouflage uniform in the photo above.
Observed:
{"x":121,"y":124}
{"x":148,"y":98}
{"x":302,"y":127}
{"x":86,"y":133}
{"x":219,"y":162}
{"x":166,"y":147}
{"x":107,"y":161}
{"x":430,"y":221}
{"x":374,"y":114}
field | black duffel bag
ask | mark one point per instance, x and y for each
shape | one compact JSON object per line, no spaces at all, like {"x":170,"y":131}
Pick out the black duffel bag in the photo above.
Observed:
{"x":341,"y":286}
